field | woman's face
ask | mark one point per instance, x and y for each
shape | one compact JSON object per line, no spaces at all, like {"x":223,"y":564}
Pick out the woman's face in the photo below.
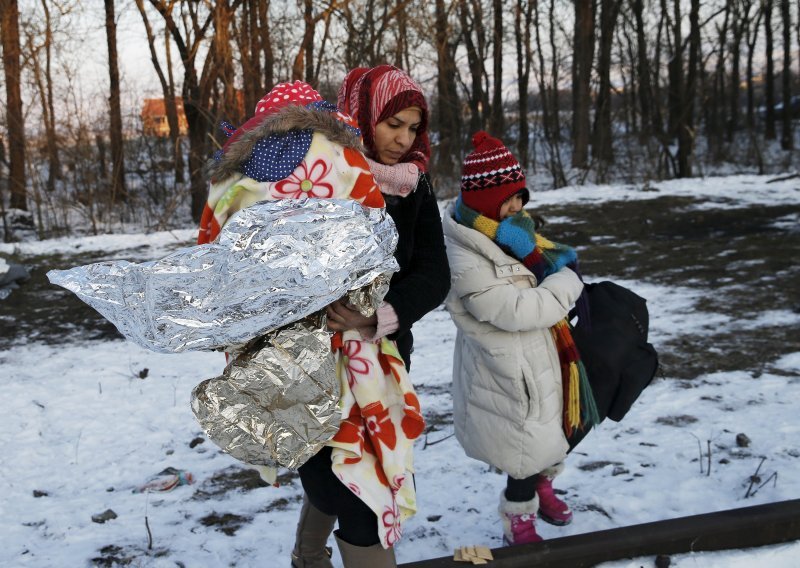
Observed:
{"x":511,"y":206}
{"x":395,"y":135}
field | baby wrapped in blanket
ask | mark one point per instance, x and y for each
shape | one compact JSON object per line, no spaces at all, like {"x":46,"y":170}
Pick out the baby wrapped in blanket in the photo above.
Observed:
{"x":298,"y":146}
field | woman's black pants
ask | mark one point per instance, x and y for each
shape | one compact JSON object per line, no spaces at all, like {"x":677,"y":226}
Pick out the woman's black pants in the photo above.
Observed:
{"x":358,"y":525}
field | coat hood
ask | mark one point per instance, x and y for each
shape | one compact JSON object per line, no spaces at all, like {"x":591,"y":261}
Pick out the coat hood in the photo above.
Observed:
{"x":288,"y":119}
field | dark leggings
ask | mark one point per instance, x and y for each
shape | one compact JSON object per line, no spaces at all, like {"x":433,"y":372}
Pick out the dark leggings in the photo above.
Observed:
{"x":519,"y":490}
{"x":358,"y":525}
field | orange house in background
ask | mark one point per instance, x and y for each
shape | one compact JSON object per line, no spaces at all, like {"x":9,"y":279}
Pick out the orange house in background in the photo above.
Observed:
{"x":154,"y":117}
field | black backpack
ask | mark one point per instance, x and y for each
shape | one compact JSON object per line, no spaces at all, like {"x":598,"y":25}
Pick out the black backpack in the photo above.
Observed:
{"x":613,"y":347}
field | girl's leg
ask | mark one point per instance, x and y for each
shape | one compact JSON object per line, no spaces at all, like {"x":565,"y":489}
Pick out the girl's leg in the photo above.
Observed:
{"x":518,"y":506}
{"x":551,"y":509}
{"x":519,"y":490}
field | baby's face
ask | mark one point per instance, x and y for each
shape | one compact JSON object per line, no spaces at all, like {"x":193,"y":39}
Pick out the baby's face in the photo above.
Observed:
{"x":511,"y":206}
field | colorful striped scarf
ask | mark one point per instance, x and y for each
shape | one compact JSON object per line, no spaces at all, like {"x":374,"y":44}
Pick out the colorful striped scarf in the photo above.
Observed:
{"x":516,"y":235}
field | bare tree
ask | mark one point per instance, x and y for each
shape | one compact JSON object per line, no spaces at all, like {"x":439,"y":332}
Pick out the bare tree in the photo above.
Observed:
{"x":787,"y":141}
{"x":751,"y":37}
{"x":168,"y":89}
{"x":497,"y":119}
{"x":471,"y":16}
{"x":582,"y":57}
{"x":9,"y":28}
{"x":769,"y":79}
{"x":194,"y":29}
{"x":523,"y":16}
{"x":401,"y":51}
{"x":547,"y":78}
{"x":118,"y":191}
{"x":738,"y":25}
{"x":686,"y":126}
{"x":266,"y":44}
{"x":303,"y":67}
{"x":602,"y":147}
{"x":448,"y":116}
{"x":44,"y":83}
{"x":247,"y":35}
{"x":648,"y":101}
{"x":367,"y":26}
{"x":716,"y":110}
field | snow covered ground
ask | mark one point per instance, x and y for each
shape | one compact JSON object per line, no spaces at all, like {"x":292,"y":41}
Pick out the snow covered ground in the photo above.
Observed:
{"x":82,"y":430}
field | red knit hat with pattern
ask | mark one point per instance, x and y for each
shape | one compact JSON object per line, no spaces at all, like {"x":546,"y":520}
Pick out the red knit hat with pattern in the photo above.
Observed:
{"x":491,"y":174}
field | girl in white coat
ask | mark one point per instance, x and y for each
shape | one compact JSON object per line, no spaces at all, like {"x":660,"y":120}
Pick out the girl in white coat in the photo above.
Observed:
{"x":517,"y":375}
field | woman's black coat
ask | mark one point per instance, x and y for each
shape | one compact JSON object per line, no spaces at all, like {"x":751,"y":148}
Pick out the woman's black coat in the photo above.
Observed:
{"x":424,"y":277}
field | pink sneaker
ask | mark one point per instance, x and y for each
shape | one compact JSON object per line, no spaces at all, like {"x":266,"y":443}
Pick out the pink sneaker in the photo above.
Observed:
{"x":519,"y":521}
{"x":551,"y":509}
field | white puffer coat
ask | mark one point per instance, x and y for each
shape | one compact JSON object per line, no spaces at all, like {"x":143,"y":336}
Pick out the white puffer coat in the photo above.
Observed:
{"x":507,"y":395}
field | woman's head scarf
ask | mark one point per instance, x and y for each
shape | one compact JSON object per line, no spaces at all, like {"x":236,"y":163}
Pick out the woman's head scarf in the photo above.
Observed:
{"x":371,"y":95}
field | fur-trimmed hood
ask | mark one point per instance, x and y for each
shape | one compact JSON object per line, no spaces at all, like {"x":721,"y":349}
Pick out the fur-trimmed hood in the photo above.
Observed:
{"x":294,"y":117}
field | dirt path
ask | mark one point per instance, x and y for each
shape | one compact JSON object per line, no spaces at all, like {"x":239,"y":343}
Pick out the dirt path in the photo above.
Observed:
{"x":746,"y":258}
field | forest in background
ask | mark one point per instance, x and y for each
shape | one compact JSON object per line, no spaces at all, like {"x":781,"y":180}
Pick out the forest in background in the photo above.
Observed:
{"x":585,"y":91}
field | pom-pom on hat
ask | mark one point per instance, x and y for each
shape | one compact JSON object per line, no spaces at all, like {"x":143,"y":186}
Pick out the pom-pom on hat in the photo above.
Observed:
{"x":491,"y":174}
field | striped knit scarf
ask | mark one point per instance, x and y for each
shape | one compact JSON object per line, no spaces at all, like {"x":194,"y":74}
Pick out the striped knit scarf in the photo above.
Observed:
{"x":517,"y":236}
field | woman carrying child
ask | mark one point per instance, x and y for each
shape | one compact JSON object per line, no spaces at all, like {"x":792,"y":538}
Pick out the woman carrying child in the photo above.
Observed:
{"x":296,"y":146}
{"x":516,"y":372}
{"x":392,"y":115}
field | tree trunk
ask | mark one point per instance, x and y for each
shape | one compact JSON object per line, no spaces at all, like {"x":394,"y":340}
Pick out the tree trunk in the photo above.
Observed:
{"x":54,"y":163}
{"x":167,"y":90}
{"x":686,"y":132}
{"x":172,"y":112}
{"x":497,"y":122}
{"x":246,"y":35}
{"x":549,"y":100}
{"x":522,"y":35}
{"x":675,"y":71}
{"x":769,"y":85}
{"x":196,"y":93}
{"x":118,"y":191}
{"x":448,"y":115}
{"x":9,"y":29}
{"x":751,"y":32}
{"x":305,"y":53}
{"x":717,"y":100}
{"x":735,"y":90}
{"x":266,"y":44}
{"x":602,"y":148}
{"x":401,"y":58}
{"x":582,"y":57}
{"x":477,"y":97}
{"x":646,"y":94}
{"x":787,"y":142}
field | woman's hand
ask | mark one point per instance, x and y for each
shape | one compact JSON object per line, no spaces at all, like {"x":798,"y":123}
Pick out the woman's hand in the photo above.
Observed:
{"x":343,"y":318}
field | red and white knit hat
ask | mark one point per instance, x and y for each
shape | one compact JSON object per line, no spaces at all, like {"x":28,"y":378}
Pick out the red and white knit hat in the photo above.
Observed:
{"x":491,"y":174}
{"x":280,"y":96}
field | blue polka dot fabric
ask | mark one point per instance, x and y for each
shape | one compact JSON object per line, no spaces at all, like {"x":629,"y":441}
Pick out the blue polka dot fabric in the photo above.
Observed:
{"x":276,"y":156}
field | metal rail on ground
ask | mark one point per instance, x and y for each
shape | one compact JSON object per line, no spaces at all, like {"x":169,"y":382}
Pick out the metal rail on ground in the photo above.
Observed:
{"x":747,"y":527}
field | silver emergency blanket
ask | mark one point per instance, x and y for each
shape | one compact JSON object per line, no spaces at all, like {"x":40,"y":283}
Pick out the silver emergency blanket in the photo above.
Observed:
{"x":277,"y":402}
{"x":274,"y":263}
